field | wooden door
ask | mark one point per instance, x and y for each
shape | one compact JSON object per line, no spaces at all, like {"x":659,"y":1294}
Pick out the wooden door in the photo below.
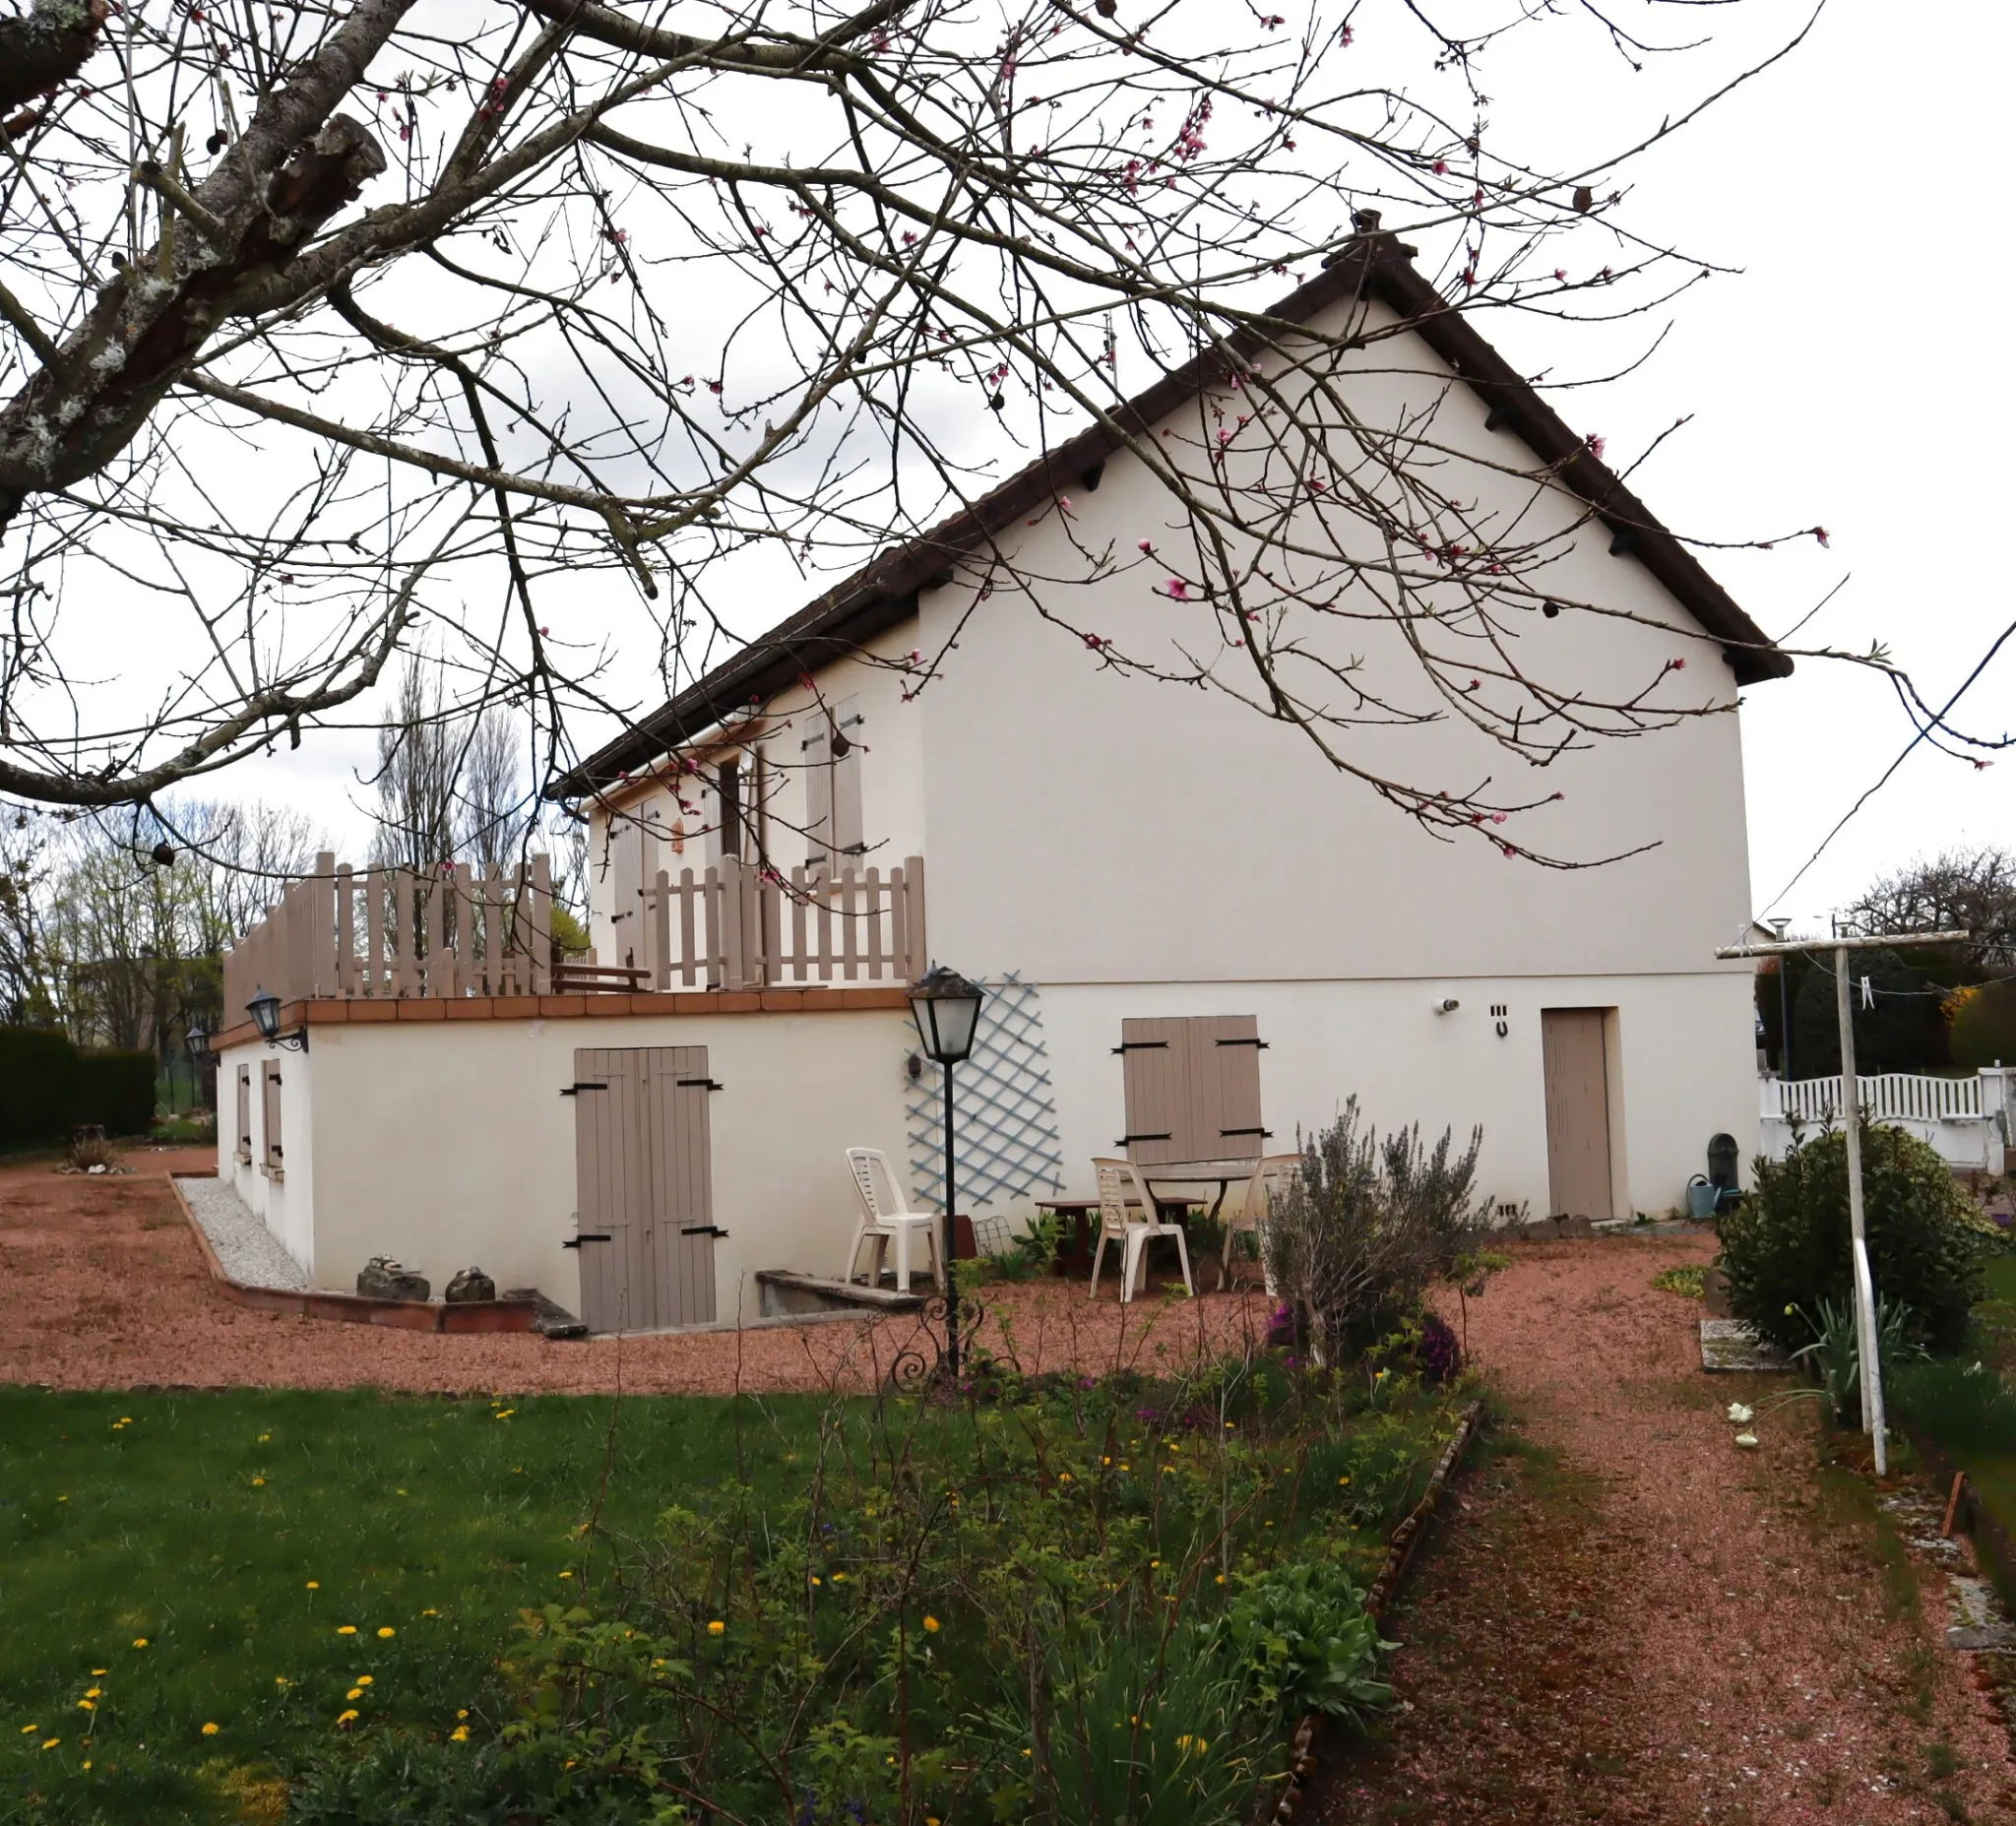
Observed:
{"x":1576,"y":1065}
{"x":644,"y":1187}
{"x":680,"y":1215}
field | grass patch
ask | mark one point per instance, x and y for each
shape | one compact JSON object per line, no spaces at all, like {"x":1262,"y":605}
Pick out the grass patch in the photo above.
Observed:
{"x":1685,"y":1282}
{"x":343,"y":1607}
{"x":236,"y":1534}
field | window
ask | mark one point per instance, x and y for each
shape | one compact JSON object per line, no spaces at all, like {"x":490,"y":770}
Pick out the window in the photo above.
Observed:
{"x":276,"y":1162}
{"x":832,"y":756}
{"x":1193,"y":1089}
{"x":729,"y":787}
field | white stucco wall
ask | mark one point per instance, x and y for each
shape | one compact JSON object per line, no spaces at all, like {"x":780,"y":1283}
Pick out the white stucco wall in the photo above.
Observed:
{"x":1683,"y":1066}
{"x":286,"y":1202}
{"x":448,"y":1144}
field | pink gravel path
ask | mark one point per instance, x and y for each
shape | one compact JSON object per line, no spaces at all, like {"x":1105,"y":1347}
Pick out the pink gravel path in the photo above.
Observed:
{"x":1642,"y":1622}
{"x":106,"y":1288}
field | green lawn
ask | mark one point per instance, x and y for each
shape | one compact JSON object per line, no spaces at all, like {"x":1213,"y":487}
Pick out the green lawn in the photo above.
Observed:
{"x":237,"y":1537}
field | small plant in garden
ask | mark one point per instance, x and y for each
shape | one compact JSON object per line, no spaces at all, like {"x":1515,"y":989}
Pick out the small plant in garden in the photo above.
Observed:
{"x":1685,"y":1282}
{"x":1299,"y":1638}
{"x":1363,"y":1229}
{"x":1835,"y":1353}
{"x":1786,"y":1248}
{"x":90,"y":1152}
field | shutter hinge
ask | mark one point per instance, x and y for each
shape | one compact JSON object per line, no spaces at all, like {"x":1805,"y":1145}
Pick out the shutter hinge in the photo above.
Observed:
{"x":1126,"y":1139}
{"x":575,"y":1242}
{"x":1264,"y":1134}
{"x":573,"y":1089}
{"x":703,"y":1229}
{"x":1140,"y":1045}
{"x":1254,"y":1041}
{"x":707,"y":1082}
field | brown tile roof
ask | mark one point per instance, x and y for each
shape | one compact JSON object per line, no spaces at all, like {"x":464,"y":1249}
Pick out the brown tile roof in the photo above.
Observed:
{"x":884,"y":591}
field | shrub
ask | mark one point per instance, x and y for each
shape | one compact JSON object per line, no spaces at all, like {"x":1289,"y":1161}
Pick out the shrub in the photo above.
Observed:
{"x":1787,"y":1246}
{"x":1364,"y":1227}
{"x":1984,"y":1030}
{"x":1965,"y":1408}
{"x":115,"y":1091}
{"x":38,"y":1086}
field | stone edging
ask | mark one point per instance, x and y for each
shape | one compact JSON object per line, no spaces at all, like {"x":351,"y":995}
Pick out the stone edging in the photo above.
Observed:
{"x":1400,"y":1551}
{"x":409,"y":1315}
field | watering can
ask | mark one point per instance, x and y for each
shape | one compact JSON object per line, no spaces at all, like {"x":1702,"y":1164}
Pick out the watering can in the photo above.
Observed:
{"x":1702,"y":1198}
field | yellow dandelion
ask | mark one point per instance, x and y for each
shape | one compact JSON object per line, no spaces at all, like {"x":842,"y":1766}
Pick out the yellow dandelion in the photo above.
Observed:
{"x":355,"y":1692}
{"x":314,"y":1585}
{"x":506,"y":1414}
{"x":1153,"y":1564}
{"x":569,"y":1575}
{"x":87,"y":1762}
{"x":95,"y":1671}
{"x":931,"y":1625}
{"x":140,"y":1642}
{"x":1029,"y":1753}
{"x":265,"y":1439}
{"x":430,"y":1612}
{"x":347,"y":1717}
{"x":210,"y":1731}
{"x":840,"y":1578}
{"x":464,"y":1712}
{"x":717,"y":1627}
{"x":399,"y":1492}
{"x":816,"y":1580}
{"x":257,"y":1483}
{"x":1221,"y":1578}
{"x":1126,"y":1466}
{"x":62,"y":1499}
{"x":386,"y":1632}
{"x":365,"y":1679}
{"x":51,"y":1743}
{"x":279,"y":1679}
{"x":87,"y":1705}
{"x":1063,"y":1476}
{"x":346,"y":1630}
{"x":94,"y":1692}
{"x":1106,"y":1461}
{"x":28,"y":1731}
{"x":460,"y":1735}
{"x":125,"y":1420}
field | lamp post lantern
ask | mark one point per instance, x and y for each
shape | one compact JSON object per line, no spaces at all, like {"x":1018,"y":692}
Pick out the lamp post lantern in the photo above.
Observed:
{"x":947,"y":1010}
{"x":196,"y":1043}
{"x":264,"y":1008}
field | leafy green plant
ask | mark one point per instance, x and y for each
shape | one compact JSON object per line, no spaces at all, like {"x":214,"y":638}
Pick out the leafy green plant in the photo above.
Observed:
{"x":1685,"y":1282}
{"x":1786,"y":1248}
{"x":1300,"y":1638}
{"x":1835,"y":1352}
{"x":1964,"y":1407}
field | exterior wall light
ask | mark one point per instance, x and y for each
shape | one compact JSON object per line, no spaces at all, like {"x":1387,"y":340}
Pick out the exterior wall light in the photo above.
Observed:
{"x":264,"y":1008}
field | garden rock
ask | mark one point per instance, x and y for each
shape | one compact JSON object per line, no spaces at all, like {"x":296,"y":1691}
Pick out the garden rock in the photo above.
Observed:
{"x":468,"y":1285}
{"x":382,"y":1278}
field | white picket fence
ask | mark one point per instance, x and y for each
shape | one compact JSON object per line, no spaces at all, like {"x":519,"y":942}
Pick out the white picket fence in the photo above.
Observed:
{"x":1966,"y":1119}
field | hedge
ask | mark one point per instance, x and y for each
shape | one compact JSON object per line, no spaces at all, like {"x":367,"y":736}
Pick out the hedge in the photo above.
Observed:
{"x":49,"y":1087}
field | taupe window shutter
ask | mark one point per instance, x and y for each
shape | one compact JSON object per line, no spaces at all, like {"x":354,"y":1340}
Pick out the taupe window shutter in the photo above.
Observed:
{"x":1224,"y":1086}
{"x":244,"y":1114}
{"x":1193,"y":1088}
{"x":275,"y":1153}
{"x":849,"y":837}
{"x":1156,"y":1063}
{"x":818,"y":766}
{"x":730,"y":788}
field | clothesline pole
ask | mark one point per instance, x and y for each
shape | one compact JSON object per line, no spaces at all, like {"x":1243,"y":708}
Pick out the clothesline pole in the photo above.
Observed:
{"x":1867,"y":1336}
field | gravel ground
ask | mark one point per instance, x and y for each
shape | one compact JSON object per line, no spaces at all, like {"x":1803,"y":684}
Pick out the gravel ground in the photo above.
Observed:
{"x":1625,"y":1618}
{"x":107,"y":1289}
{"x":246,"y":1249}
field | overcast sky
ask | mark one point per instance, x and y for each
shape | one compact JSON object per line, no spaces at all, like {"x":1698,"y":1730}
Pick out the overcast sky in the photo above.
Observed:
{"x":1838,"y":377}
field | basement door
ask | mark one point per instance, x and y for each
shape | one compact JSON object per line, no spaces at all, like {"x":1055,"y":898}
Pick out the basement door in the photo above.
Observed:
{"x":645,"y":1187}
{"x":1575,"y":1059}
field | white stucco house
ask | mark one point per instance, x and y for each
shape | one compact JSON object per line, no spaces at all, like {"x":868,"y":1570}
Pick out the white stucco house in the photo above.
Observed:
{"x":1201,"y":937}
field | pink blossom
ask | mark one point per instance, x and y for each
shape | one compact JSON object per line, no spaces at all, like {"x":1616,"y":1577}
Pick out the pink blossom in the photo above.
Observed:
{"x":1147,"y":545}
{"x":913,"y":656}
{"x":1344,"y":36}
{"x":1497,"y":817}
{"x":1820,"y":533}
{"x":1508,"y":849}
{"x":1179,"y":590}
{"x":1094,"y":642}
{"x":1440,"y":168}
{"x":1679,"y":665}
{"x":1596,"y":443}
{"x":1560,"y":275}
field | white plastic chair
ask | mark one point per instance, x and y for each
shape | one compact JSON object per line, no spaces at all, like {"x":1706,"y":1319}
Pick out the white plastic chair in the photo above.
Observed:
{"x":1121,"y":1195}
{"x":1270,"y":1174}
{"x":886,"y":1217}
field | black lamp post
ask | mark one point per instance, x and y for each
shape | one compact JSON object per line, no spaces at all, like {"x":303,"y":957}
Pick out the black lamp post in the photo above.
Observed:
{"x":947,"y":1009}
{"x":196,"y":1043}
{"x":264,"y":1008}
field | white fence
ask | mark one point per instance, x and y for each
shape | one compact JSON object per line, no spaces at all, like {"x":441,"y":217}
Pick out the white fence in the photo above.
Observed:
{"x":1968,"y":1120}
